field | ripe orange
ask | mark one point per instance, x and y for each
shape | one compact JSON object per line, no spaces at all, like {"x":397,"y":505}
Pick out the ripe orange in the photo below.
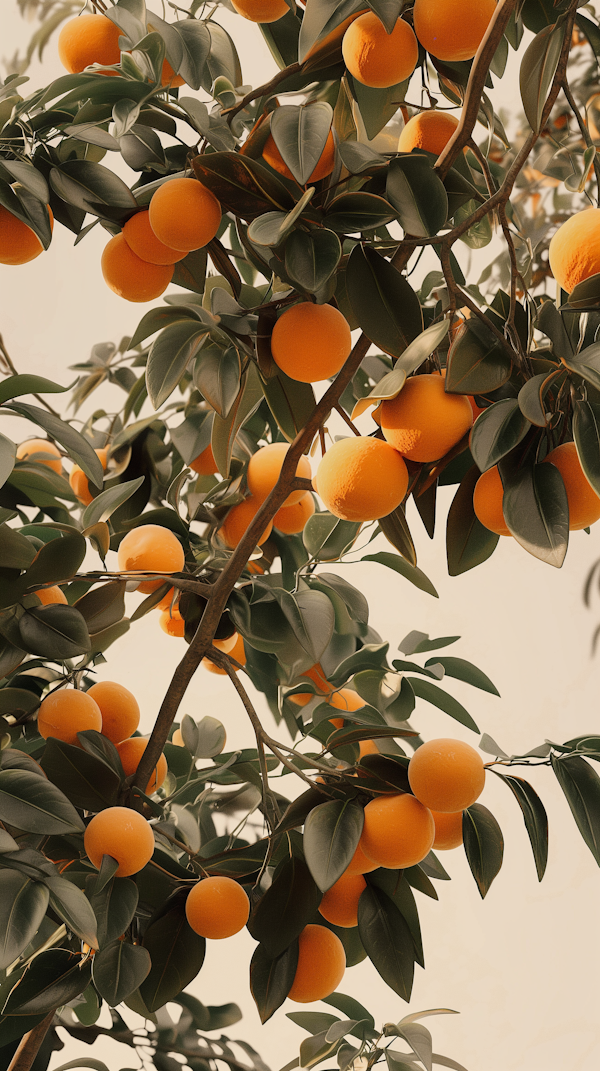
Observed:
{"x":88,"y":39}
{"x":584,"y":503}
{"x":49,"y":596}
{"x":123,"y":834}
{"x":398,"y":831}
{"x":119,"y":708}
{"x":316,"y":675}
{"x":264,"y":469}
{"x":49,"y":454}
{"x":233,"y":645}
{"x":169,"y":78}
{"x":321,"y":965}
{"x":172,"y":622}
{"x":376,"y":58}
{"x":130,"y":753}
{"x":79,"y":481}
{"x":261,"y":10}
{"x":150,"y":548}
{"x":487,"y":502}
{"x":452,"y":30}
{"x":142,"y":240}
{"x":367,"y":747}
{"x":129,"y":276}
{"x":360,"y":863}
{"x":346,"y":699}
{"x":238,"y":519}
{"x":340,"y":903}
{"x":361,"y":479}
{"x":66,"y":712}
{"x":574,"y":252}
{"x":422,"y":421}
{"x":446,"y":775}
{"x":217,"y":907}
{"x":205,"y":464}
{"x":292,"y":519}
{"x":184,"y":214}
{"x":311,"y":342}
{"x":430,"y":130}
{"x":448,"y":830}
{"x":323,"y":167}
{"x":18,"y":243}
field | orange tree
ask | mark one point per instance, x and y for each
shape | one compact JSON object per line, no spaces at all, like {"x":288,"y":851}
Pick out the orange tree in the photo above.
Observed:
{"x":113,"y":873}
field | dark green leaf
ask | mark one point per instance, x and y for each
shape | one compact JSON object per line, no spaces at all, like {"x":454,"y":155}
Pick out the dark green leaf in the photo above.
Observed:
{"x":300,"y":133}
{"x":352,"y":1009}
{"x":464,"y":671}
{"x":73,"y":907}
{"x":169,"y":357}
{"x":31,"y":803}
{"x":290,"y":402}
{"x":177,"y":954}
{"x":16,"y":550}
{"x":536,"y":510}
{"x":87,"y":781}
{"x":581,"y":786}
{"x":468,"y":542}
{"x":7,"y":458}
{"x":387,"y":940}
{"x":327,"y":538}
{"x":271,"y":978}
{"x":103,"y":606}
{"x":114,"y":906}
{"x":54,"y":631}
{"x":432,"y":694}
{"x":311,"y":257}
{"x":241,"y":185}
{"x":331,"y":834}
{"x":288,"y":905}
{"x":23,"y":905}
{"x":534,"y":815}
{"x":217,"y":376}
{"x":76,"y":446}
{"x":92,"y":188}
{"x":531,"y":399}
{"x":386,"y":306}
{"x":15,"y":386}
{"x":586,"y":432}
{"x":353,"y":213}
{"x":496,"y":432}
{"x":52,"y":978}
{"x":476,"y":366}
{"x":418,"y":195}
{"x":400,"y":565}
{"x":56,"y":561}
{"x":105,"y":504}
{"x":484,"y":845}
{"x":537,"y":71}
{"x":119,"y":969}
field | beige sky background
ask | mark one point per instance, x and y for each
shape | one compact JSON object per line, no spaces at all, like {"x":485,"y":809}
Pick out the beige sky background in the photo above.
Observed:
{"x":521,"y":966}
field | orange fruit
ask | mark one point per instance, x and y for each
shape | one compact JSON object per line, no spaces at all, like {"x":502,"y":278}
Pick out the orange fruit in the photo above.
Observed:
{"x":172,"y":622}
{"x":142,"y":240}
{"x":311,"y":342}
{"x":205,"y":464}
{"x":398,"y":831}
{"x":361,"y":479}
{"x":448,"y":830}
{"x":367,"y":747}
{"x":316,"y":675}
{"x":584,"y":503}
{"x":123,"y":834}
{"x":49,"y":596}
{"x":446,"y":775}
{"x":66,"y":712}
{"x":129,"y":276}
{"x":18,"y":243}
{"x":430,"y":130}
{"x":79,"y":481}
{"x":323,"y":167}
{"x":49,"y":454}
{"x":88,"y":39}
{"x":423,"y":422}
{"x":574,"y":252}
{"x":167,"y":602}
{"x":177,"y":738}
{"x":360,"y":863}
{"x":340,"y":903}
{"x":169,"y":78}
{"x":261,"y":10}
{"x":237,"y":521}
{"x":452,"y":30}
{"x":376,"y":58}
{"x":130,"y":753}
{"x":292,"y":519}
{"x":346,"y":699}
{"x":264,"y":469}
{"x":184,"y":214}
{"x":233,"y":645}
{"x":217,"y":907}
{"x":321,"y":965}
{"x":150,"y":548}
{"x":119,"y":709}
{"x":487,"y":502}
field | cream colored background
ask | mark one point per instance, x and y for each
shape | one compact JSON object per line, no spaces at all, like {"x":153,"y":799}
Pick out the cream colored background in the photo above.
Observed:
{"x":521,"y":966}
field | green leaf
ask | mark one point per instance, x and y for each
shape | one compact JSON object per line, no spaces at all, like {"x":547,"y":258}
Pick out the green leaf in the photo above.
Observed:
{"x":300,"y":133}
{"x":353,"y":213}
{"x":400,"y":565}
{"x":271,"y":978}
{"x":73,"y":907}
{"x":464,"y":671}
{"x":476,"y":366}
{"x":114,"y":907}
{"x":538,"y":67}
{"x":531,"y":399}
{"x":385,"y":305}
{"x":586,"y":364}
{"x":195,"y":39}
{"x":311,"y":257}
{"x":242,"y":185}
{"x":224,"y":431}
{"x":536,"y":510}
{"x":105,"y":504}
{"x":468,"y":542}
{"x":484,"y":845}
{"x":534,"y":815}
{"x":169,"y":357}
{"x":23,"y":904}
{"x":56,"y":561}
{"x":581,"y":786}
{"x":76,"y":446}
{"x":586,"y":432}
{"x":438,"y":698}
{"x":314,"y":1022}
{"x":103,"y":606}
{"x":177,"y":954}
{"x":93,"y":188}
{"x":418,"y":195}
{"x":15,"y":386}
{"x":54,"y":631}
{"x":387,"y":940}
{"x":16,"y":550}
{"x":352,"y":1009}
{"x":52,"y":978}
{"x":217,"y":373}
{"x":376,"y":106}
{"x":85,"y":779}
{"x":119,"y":969}
{"x":496,"y":432}
{"x":327,"y":538}
{"x":35,"y":805}
{"x":290,"y":401}
{"x":331,"y":834}
{"x":7,"y":458}
{"x":288,"y":905}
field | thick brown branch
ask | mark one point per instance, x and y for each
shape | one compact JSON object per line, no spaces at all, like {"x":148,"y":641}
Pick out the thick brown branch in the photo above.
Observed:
{"x":29,"y":1045}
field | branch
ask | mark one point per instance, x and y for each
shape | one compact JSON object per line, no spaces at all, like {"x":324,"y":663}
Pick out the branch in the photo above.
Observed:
{"x":29,"y":1045}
